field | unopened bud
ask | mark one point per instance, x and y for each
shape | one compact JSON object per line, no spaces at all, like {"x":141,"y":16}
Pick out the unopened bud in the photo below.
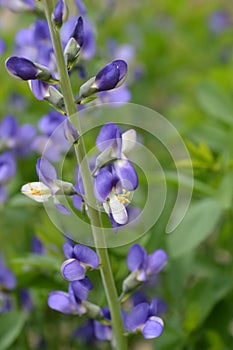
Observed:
{"x":60,"y":13}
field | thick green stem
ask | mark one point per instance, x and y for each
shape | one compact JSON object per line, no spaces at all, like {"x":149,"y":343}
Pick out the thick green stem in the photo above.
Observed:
{"x":98,"y":234}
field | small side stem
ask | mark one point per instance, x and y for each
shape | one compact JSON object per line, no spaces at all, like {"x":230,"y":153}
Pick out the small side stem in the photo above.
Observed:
{"x":98,"y":234}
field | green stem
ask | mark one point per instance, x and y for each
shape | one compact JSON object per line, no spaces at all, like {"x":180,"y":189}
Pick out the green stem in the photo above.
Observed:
{"x":95,"y":219}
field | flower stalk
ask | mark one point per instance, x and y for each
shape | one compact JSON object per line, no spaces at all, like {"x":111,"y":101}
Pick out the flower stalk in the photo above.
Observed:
{"x":95,"y":219}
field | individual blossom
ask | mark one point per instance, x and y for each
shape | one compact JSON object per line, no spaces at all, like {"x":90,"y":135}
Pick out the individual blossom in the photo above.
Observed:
{"x":7,"y":283}
{"x":109,"y":77}
{"x":74,"y":44}
{"x":80,"y":258}
{"x":143,"y":319}
{"x":7,"y":167}
{"x":74,"y":302}
{"x":114,"y":191}
{"x":143,"y":266}
{"x":49,"y":186}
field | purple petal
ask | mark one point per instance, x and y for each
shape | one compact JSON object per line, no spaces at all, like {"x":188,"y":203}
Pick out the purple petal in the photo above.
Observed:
{"x":77,"y":202}
{"x":68,"y":250}
{"x":106,"y":136}
{"x":39,"y":89}
{"x":89,"y":45}
{"x":156,"y":262}
{"x":81,"y":288}
{"x":7,"y":278}
{"x":86,"y":255}
{"x":102,"y":332}
{"x":2,"y":46}
{"x":7,"y":167}
{"x":72,"y":270}
{"x":60,"y":301}
{"x":46,"y":171}
{"x":103,"y":184}
{"x":78,"y":33}
{"x":137,"y":317}
{"x":62,"y":208}
{"x":21,"y":68}
{"x":136,"y":257}
{"x":107,"y":78}
{"x":153,"y":328}
{"x":59,"y":12}
{"x":50,"y":121}
{"x":127,"y":174}
{"x":8,"y":127}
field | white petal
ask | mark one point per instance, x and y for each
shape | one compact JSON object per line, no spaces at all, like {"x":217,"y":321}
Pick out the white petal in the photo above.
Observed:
{"x":129,"y":139}
{"x":37,"y":191}
{"x":118,"y":210}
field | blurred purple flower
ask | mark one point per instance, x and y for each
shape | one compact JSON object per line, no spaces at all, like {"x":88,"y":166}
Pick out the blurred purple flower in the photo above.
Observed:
{"x":26,"y":300}
{"x":219,"y":21}
{"x":18,"y":5}
{"x":2,"y":46}
{"x":7,"y":167}
{"x":37,"y":246}
{"x":7,"y":278}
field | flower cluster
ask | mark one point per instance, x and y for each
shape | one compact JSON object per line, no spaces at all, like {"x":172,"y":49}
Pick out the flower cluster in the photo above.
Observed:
{"x":80,"y":258}
{"x":15,"y":142}
{"x":144,"y":317}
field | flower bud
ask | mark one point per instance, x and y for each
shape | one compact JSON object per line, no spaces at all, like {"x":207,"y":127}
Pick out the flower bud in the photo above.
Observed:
{"x":64,"y":188}
{"x":71,"y":133}
{"x":108,"y":78}
{"x":55,"y":98}
{"x":60,"y":13}
{"x":25,"y":69}
{"x":74,"y":44}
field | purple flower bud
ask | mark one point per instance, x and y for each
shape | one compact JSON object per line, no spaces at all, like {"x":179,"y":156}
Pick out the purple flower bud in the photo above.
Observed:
{"x":78,"y":32}
{"x":22,"y":68}
{"x":111,"y":76}
{"x":60,"y":13}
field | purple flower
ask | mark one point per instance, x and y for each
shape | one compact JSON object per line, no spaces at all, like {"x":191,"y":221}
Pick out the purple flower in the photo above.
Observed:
{"x":78,"y":32}
{"x":49,"y":186}
{"x":72,"y":302}
{"x":109,"y":77}
{"x":2,"y":46}
{"x":7,"y":167}
{"x":17,"y":138}
{"x":219,"y":21}
{"x":60,"y":13}
{"x":80,"y":258}
{"x":7,"y":278}
{"x":37,"y":246}
{"x":143,"y":319}
{"x":145,"y":265}
{"x":122,"y":94}
{"x":25,"y":69}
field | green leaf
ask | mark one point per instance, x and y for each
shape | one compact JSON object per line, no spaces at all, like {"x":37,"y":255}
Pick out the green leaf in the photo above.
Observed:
{"x":11,"y":325}
{"x":199,"y":222}
{"x":215,"y":102}
{"x":48,"y":263}
{"x":224,"y":193}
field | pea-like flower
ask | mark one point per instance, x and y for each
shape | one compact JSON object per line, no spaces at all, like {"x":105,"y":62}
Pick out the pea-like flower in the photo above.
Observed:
{"x":144,"y":320}
{"x":143,"y":266}
{"x":80,"y":258}
{"x":113,"y":187}
{"x":49,"y":186}
{"x":71,"y":302}
{"x":108,"y":78}
{"x":25,"y":69}
{"x":60,"y":13}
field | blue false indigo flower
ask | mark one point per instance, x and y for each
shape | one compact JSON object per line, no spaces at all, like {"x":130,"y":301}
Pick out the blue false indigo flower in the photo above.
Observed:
{"x":80,"y":258}
{"x":115,"y":191}
{"x":60,"y":13}
{"x":74,"y":302}
{"x":49,"y":186}
{"x":108,"y":78}
{"x":143,"y":319}
{"x":143,"y":266}
{"x":114,"y":144}
{"x":74,"y":44}
{"x":7,"y":167}
{"x":7,"y":278}
{"x":25,"y":69}
{"x":219,"y":21}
